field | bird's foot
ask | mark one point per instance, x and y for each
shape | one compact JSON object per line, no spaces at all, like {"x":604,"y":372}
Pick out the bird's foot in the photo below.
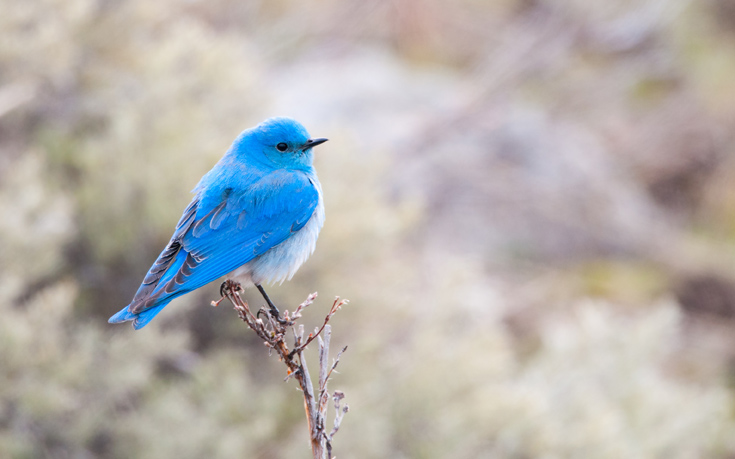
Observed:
{"x":273,"y":309}
{"x":275,"y":314}
{"x":229,"y":285}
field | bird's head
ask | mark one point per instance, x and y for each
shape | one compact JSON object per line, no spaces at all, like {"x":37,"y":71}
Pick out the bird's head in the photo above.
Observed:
{"x":278,"y":142}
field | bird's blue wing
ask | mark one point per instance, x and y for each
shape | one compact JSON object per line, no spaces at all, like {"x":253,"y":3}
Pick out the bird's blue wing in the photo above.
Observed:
{"x":209,"y":243}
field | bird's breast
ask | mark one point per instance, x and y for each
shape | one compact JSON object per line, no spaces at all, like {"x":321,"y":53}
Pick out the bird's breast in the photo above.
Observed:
{"x":281,"y":262}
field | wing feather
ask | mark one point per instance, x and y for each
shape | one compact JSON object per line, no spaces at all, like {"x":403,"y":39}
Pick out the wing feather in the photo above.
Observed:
{"x":239,"y":228}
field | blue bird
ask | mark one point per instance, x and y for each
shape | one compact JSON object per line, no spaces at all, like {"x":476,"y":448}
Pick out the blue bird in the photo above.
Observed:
{"x":255,"y":216}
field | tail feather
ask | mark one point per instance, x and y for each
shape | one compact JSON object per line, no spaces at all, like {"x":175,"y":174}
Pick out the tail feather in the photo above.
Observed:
{"x":123,"y":315}
{"x":141,"y":319}
{"x":153,"y":297}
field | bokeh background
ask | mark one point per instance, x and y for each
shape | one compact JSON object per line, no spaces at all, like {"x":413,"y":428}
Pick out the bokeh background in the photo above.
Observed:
{"x":530,"y":205}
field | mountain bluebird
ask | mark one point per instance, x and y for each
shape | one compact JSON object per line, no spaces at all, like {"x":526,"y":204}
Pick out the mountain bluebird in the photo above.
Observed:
{"x":255,"y":216}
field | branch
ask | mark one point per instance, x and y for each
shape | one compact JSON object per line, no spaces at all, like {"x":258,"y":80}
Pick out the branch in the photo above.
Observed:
{"x":273,"y":332}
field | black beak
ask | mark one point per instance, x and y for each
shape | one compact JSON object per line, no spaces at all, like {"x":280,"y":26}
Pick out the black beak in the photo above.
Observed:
{"x":312,"y":143}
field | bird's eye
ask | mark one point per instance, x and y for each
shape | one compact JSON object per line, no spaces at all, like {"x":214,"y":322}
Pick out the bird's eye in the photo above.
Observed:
{"x":282,"y":146}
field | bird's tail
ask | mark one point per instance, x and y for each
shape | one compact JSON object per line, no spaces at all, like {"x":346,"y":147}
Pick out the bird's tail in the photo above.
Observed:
{"x":141,"y":319}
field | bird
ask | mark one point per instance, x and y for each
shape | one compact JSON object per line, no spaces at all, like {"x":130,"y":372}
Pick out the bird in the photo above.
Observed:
{"x":255,"y":217}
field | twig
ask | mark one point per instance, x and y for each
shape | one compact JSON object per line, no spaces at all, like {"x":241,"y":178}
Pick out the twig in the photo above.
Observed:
{"x":273,"y":332}
{"x":338,"y":396}
{"x":335,"y":307}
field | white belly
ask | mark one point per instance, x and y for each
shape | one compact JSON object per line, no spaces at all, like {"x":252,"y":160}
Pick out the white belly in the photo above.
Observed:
{"x":282,"y":261}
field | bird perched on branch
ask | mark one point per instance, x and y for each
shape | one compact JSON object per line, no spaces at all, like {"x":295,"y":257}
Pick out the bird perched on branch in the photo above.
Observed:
{"x":255,"y":216}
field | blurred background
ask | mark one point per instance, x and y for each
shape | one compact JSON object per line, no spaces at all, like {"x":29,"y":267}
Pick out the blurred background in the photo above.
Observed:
{"x":530,"y":205}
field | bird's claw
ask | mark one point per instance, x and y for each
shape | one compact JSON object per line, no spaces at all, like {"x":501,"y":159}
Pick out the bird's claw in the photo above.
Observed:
{"x":230,"y":285}
{"x":275,"y":314}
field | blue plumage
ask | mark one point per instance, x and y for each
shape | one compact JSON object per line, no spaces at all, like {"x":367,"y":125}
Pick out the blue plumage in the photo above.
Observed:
{"x":256,"y":216}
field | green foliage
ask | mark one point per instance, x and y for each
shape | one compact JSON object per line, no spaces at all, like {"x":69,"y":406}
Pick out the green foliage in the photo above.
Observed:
{"x":73,"y":389}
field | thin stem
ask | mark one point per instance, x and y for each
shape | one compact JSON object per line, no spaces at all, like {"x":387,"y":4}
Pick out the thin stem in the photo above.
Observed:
{"x":273,"y":332}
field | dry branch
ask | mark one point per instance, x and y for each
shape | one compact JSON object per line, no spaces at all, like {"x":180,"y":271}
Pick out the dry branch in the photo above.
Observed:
{"x":273,"y":331}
